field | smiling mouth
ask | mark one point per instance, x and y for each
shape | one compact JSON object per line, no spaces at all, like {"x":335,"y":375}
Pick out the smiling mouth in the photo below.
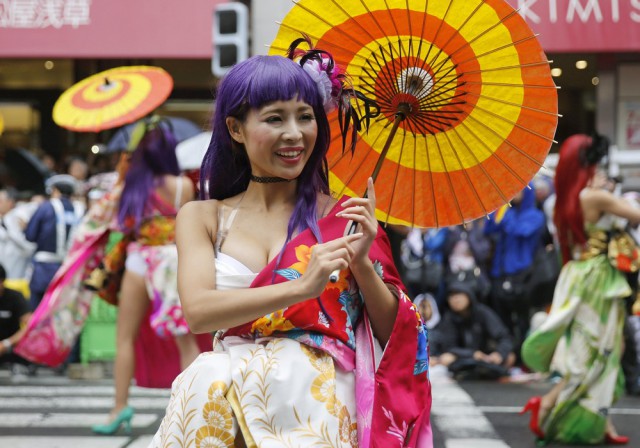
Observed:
{"x":289,"y":154}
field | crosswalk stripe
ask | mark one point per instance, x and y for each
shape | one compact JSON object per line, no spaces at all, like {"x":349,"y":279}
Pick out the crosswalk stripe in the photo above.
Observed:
{"x":141,"y":442}
{"x":517,"y":409}
{"x":64,"y":442}
{"x":44,"y":391}
{"x":65,"y":420}
{"x":456,"y":416}
{"x":72,"y":402}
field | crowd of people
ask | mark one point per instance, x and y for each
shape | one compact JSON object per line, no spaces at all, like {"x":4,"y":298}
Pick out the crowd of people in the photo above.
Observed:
{"x":496,"y":301}
{"x":530,"y":287}
{"x":482,"y":278}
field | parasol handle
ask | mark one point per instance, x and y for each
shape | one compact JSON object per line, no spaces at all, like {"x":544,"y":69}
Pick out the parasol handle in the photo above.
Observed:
{"x":335,"y":275}
{"x":403,"y":111}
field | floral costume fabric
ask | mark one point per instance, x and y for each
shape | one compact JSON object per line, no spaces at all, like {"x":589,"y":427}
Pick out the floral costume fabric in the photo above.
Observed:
{"x":582,"y":340}
{"x":155,"y":244}
{"x":311,"y":374}
{"x":59,"y":319}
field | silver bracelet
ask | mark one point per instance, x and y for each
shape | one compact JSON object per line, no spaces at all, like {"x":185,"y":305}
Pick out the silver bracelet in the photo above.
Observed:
{"x":7,"y":344}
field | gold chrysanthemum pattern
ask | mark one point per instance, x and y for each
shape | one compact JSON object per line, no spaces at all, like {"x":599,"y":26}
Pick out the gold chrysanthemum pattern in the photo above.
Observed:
{"x":217,"y":413}
{"x":323,"y":389}
{"x":210,"y":437}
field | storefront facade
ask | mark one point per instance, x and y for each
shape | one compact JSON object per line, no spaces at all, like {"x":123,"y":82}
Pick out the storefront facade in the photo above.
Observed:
{"x":47,"y":46}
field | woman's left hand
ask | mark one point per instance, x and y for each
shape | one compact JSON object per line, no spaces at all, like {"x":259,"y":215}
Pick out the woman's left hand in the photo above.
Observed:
{"x":362,"y":212}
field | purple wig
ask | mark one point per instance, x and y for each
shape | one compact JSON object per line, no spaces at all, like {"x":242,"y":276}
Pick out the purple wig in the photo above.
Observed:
{"x":154,"y":157}
{"x":252,"y":84}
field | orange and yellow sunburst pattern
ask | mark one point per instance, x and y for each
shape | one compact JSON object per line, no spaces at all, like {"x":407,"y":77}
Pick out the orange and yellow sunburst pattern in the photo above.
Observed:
{"x":483,"y":103}
{"x":112,"y":98}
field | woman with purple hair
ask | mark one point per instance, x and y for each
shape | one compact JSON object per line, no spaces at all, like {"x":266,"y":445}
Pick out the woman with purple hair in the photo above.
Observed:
{"x":153,"y":192}
{"x":297,"y":359}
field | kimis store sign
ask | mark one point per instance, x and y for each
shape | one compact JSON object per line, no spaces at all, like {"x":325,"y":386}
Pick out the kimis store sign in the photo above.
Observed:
{"x":583,"y":25}
{"x":177,"y":29}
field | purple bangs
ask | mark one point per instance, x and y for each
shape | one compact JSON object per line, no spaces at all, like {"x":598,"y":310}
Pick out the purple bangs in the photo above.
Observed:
{"x":253,"y":84}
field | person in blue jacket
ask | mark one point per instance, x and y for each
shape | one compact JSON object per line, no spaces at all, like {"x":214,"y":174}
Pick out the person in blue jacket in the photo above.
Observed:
{"x":517,"y":237}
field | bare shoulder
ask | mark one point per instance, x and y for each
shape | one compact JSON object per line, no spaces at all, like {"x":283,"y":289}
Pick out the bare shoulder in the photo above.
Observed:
{"x":198,"y":215}
{"x":596,"y":197}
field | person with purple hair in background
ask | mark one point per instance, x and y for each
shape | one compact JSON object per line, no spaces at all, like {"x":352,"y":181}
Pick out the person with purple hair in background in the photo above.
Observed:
{"x":153,"y":192}
{"x":295,"y":356}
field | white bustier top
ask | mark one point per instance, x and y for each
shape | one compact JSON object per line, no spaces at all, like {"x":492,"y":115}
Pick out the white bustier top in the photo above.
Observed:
{"x":232,"y":274}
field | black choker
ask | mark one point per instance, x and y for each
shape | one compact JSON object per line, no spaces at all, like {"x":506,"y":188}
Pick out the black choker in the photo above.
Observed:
{"x":268,"y":180}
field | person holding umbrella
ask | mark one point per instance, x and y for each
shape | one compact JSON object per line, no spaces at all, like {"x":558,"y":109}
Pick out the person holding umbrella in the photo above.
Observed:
{"x":296,"y":356}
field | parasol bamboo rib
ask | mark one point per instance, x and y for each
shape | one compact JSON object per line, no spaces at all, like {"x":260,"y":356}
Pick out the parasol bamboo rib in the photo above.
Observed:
{"x":331,"y":25}
{"x":435,"y":38}
{"x":486,"y":31}
{"x":466,"y":175}
{"x":393,"y":61}
{"x":393,"y":21}
{"x":441,"y":48}
{"x":495,"y":50}
{"x":508,"y":103}
{"x":512,"y":67}
{"x":504,"y":84}
{"x":482,"y":168}
{"x":519,"y":126}
{"x":354,"y":19}
{"x":396,"y":178}
{"x":375,"y":19}
{"x":448,"y":177}
{"x":424,"y":24}
{"x":483,"y":144}
{"x":469,"y":42}
{"x":438,"y":93}
{"x":387,"y":85}
{"x":432,"y":189}
{"x":414,"y":202}
{"x":508,"y":143}
{"x":427,"y":120}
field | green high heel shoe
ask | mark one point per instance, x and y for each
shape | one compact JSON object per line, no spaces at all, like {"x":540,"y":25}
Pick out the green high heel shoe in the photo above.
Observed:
{"x":122,"y":419}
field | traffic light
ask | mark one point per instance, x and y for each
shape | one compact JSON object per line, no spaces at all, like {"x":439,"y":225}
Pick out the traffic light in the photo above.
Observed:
{"x":230,"y":36}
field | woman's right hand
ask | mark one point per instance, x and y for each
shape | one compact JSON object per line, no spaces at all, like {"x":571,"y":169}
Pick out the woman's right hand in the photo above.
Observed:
{"x":326,"y":258}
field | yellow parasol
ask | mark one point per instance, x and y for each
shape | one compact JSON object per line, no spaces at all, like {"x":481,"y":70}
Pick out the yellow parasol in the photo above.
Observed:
{"x":112,"y":98}
{"x":468,"y":108}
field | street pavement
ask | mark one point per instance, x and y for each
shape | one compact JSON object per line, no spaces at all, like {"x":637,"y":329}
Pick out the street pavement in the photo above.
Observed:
{"x":53,"y":411}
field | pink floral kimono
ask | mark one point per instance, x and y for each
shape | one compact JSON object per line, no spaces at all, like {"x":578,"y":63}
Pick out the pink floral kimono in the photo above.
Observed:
{"x":59,"y":318}
{"x":311,"y":374}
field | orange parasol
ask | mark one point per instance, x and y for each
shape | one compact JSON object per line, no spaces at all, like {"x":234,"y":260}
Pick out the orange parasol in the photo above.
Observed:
{"x":468,"y":108}
{"x":112,"y":98}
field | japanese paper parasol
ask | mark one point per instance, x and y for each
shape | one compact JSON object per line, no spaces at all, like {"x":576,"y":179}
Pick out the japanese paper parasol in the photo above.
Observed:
{"x":112,"y":98}
{"x":467,"y":105}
